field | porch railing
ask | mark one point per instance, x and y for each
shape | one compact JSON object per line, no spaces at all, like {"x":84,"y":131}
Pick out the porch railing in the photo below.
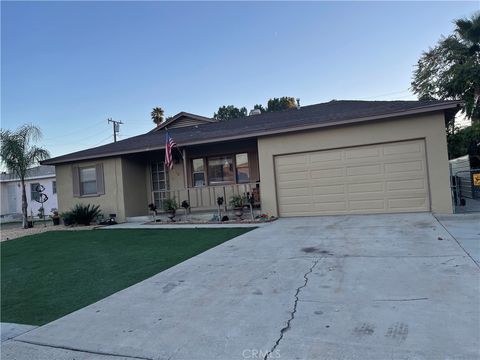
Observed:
{"x":205,"y":198}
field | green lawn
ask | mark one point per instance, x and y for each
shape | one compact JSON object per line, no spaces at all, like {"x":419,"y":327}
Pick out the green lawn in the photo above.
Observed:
{"x":49,"y":275}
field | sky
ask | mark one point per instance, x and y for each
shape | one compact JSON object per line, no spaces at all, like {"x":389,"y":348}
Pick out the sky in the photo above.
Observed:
{"x":68,"y":66}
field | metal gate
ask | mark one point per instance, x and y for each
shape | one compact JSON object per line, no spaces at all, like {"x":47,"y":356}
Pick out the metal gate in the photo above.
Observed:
{"x":466,"y":184}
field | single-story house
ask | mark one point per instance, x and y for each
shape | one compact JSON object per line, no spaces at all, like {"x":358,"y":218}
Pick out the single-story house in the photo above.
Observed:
{"x":339,"y":157}
{"x":11,"y":192}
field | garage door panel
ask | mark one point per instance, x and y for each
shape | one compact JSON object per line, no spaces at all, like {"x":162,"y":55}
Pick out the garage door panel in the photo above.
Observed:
{"x":327,"y":173}
{"x":407,"y":184}
{"x":328,"y":189}
{"x":366,"y":179}
{"x":292,"y":159}
{"x":294,"y":176}
{"x":330,"y":206}
{"x":367,"y":152}
{"x":288,"y":169}
{"x":404,"y":194}
{"x":296,"y":210}
{"x":326,"y":157}
{"x":328,"y":198}
{"x":371,"y":169}
{"x":301,"y":191}
{"x":414,"y":165}
{"x":418,"y":203}
{"x":366,"y":187}
{"x":293,"y":185}
{"x":294,"y":200}
{"x":401,"y":149}
{"x":367,"y":205}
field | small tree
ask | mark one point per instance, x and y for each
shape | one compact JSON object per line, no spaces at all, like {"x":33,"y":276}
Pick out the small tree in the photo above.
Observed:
{"x":18,"y":155}
{"x":157,"y":115}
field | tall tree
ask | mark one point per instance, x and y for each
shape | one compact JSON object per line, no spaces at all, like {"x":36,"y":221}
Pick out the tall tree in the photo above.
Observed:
{"x":18,"y":154}
{"x":451,"y":70}
{"x":157,"y":115}
{"x":230,"y":112}
{"x":283,"y":103}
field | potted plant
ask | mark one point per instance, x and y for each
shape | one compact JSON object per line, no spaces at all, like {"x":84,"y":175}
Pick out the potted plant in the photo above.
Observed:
{"x":237,"y":202}
{"x":55,"y":217}
{"x":170,"y":206}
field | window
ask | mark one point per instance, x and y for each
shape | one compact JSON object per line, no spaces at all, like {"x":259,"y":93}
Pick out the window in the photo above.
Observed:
{"x":220,"y":170}
{"x":88,"y":181}
{"x":198,"y":177}
{"x":54,"y":187}
{"x":34,"y":194}
{"x":243,"y":170}
{"x":159,"y":184}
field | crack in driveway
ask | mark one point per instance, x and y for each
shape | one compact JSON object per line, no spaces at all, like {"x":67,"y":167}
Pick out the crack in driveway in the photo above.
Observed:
{"x":293,"y":312}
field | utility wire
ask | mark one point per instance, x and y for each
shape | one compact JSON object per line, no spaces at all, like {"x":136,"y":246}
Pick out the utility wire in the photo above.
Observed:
{"x":392,"y":93}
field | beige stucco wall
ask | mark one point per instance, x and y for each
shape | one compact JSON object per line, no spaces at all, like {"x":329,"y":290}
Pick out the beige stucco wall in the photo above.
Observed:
{"x":135,"y":188}
{"x":430,"y":127}
{"x":112,"y":202}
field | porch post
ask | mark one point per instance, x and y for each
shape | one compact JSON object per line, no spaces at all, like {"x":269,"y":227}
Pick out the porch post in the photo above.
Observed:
{"x":185,"y":167}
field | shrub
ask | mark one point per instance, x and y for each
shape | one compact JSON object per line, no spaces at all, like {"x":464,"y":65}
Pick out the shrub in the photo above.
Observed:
{"x":237,"y":201}
{"x":84,"y":214}
{"x":170,"y":204}
{"x":67,"y":218}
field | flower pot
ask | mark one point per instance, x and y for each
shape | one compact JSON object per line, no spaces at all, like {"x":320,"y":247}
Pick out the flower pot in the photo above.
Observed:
{"x":56,"y":220}
{"x":238,"y":212}
{"x":171,"y":215}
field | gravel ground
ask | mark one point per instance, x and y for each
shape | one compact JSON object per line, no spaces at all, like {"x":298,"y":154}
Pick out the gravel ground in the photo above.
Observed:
{"x":9,"y":234}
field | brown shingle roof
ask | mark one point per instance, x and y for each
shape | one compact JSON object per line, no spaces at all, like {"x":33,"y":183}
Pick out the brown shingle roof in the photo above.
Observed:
{"x":307,"y":117}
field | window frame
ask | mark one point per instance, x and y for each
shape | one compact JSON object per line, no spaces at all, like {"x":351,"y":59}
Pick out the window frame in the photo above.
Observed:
{"x":236,"y":168}
{"x":204,"y":172}
{"x":80,"y":182}
{"x":32,"y":192}
{"x":54,"y":187}
{"x":207,"y":174}
{"x":220,"y":183}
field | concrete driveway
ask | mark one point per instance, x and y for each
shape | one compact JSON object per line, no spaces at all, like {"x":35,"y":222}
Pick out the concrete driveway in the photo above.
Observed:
{"x":339,"y":287}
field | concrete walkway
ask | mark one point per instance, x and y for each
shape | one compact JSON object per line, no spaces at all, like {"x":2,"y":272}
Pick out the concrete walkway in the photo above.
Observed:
{"x":341,"y":287}
{"x":11,"y":330}
{"x":164,"y":225}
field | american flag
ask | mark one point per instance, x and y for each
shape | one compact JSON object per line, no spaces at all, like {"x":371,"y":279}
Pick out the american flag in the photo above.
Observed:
{"x":169,"y":144}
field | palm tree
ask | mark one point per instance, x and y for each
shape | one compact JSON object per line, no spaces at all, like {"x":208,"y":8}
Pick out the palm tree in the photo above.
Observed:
{"x":18,"y":155}
{"x":157,"y":115}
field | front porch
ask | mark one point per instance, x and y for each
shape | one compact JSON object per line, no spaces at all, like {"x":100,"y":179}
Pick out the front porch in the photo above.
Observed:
{"x":205,"y":198}
{"x":200,"y":176}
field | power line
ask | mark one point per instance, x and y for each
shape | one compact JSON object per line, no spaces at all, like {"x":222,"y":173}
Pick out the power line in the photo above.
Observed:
{"x":101,"y":141}
{"x":381,"y":95}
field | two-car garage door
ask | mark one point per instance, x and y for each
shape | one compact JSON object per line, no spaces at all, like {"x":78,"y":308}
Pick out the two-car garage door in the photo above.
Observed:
{"x":382,"y":178}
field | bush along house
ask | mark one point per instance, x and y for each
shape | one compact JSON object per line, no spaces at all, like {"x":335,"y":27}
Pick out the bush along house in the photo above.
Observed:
{"x":339,"y":157}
